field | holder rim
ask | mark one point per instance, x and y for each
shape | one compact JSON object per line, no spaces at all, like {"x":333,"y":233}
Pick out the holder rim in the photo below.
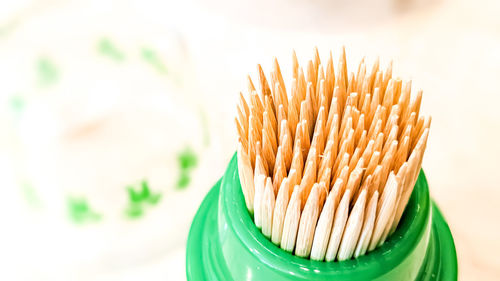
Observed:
{"x":205,"y":259}
{"x":414,"y":224}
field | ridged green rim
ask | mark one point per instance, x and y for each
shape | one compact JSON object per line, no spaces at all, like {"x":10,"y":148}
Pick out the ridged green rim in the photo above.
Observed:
{"x":205,"y":258}
{"x":374,"y":264}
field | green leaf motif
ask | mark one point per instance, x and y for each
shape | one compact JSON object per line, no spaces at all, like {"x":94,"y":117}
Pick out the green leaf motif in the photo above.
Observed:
{"x":17,"y":103}
{"x":151,"y":57}
{"x":184,"y":180}
{"x":139,"y":199}
{"x":31,"y":196}
{"x":48,"y":74}
{"x":80,"y":211}
{"x":134,"y":211}
{"x":187,"y":160}
{"x":107,"y":48}
{"x":154,"y":199}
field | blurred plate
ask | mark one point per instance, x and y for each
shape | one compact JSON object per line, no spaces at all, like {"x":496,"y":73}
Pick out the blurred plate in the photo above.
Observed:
{"x":106,"y":140}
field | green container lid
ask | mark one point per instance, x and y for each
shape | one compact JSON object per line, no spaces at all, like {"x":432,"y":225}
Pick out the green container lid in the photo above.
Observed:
{"x":225,"y":244}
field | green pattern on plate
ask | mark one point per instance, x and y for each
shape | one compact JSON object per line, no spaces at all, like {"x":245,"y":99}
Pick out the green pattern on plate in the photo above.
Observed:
{"x":138,"y":199}
{"x":109,"y":49}
{"x":81,"y":212}
{"x":31,"y":196}
{"x":48,"y":74}
{"x":187,"y":160}
{"x":17,"y":103}
{"x":151,"y":57}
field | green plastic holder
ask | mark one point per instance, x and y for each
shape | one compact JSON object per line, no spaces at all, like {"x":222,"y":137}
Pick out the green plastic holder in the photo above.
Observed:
{"x":225,"y":244}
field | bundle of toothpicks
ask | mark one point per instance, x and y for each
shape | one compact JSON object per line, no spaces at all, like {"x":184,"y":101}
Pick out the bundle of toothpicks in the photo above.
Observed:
{"x":327,"y":167}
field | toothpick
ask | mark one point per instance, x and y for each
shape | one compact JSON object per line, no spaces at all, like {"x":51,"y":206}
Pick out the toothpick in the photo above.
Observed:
{"x":295,"y":65}
{"x":268,"y":153}
{"x":324,"y":226}
{"x":269,"y":130}
{"x":360,"y":77}
{"x":294,"y":178}
{"x":330,"y":77}
{"x":287,"y":148}
{"x":297,"y":162}
{"x":307,"y":182}
{"x":386,"y":206}
{"x":294,"y":107}
{"x":264,"y":86}
{"x":342,"y":163}
{"x":367,"y":230}
{"x":246,"y":177}
{"x":280,"y":97}
{"x":353,"y":228}
{"x":311,"y":82}
{"x":271,"y":109}
{"x":307,"y":223}
{"x":259,"y":183}
{"x":267,"y":206}
{"x":340,"y":220}
{"x":387,"y":76}
{"x":279,"y":170}
{"x":402,"y":176}
{"x":291,"y":223}
{"x":374,"y":161}
{"x":277,"y":71}
{"x":282,"y":200}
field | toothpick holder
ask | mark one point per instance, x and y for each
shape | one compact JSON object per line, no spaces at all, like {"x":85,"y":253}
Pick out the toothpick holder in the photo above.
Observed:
{"x":225,"y":244}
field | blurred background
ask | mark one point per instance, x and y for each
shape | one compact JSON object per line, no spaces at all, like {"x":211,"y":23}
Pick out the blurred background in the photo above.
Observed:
{"x":117,"y":117}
